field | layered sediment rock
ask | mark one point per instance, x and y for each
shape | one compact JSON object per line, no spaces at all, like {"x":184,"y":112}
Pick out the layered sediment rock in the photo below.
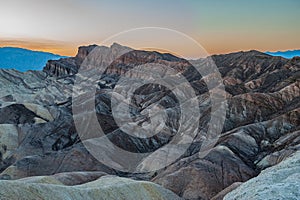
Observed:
{"x":39,"y":137}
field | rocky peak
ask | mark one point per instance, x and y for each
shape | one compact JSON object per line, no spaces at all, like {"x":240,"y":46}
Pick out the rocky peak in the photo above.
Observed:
{"x":243,"y":55}
{"x":83,"y":51}
{"x":119,"y":46}
{"x":69,"y":66}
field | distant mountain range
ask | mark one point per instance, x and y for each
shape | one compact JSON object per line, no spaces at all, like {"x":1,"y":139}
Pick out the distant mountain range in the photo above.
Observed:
{"x":285,"y":54}
{"x":24,"y":59}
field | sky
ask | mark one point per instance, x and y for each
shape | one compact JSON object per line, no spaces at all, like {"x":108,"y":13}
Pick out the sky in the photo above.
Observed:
{"x":60,"y":26}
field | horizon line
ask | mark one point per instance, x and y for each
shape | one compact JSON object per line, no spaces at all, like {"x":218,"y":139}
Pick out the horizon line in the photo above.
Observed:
{"x":163,"y":51}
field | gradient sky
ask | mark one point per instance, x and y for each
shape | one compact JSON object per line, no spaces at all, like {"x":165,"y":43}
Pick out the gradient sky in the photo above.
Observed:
{"x":220,"y":26}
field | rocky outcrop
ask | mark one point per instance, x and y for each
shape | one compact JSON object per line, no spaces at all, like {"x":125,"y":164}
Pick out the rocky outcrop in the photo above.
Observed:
{"x":8,"y":140}
{"x":62,"y":67}
{"x":281,"y":182}
{"x":24,"y":113}
{"x":65,"y":67}
{"x":106,"y":187}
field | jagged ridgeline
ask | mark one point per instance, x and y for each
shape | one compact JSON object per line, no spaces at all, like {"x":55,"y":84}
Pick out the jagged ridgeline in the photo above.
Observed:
{"x":38,"y":135}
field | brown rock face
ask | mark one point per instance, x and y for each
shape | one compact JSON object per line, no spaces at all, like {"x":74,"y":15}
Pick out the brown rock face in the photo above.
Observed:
{"x":260,"y":130}
{"x":67,"y":66}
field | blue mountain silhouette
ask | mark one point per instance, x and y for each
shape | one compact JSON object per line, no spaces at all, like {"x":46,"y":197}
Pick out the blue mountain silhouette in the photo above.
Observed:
{"x":285,"y":54}
{"x":24,"y":59}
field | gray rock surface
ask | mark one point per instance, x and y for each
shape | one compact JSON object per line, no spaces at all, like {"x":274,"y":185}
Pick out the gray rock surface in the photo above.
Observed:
{"x":106,"y":187}
{"x":278,"y":182}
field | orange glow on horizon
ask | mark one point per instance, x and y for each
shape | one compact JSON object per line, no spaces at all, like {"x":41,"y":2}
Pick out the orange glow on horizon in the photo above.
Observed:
{"x":46,"y":46}
{"x":216,"y":45}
